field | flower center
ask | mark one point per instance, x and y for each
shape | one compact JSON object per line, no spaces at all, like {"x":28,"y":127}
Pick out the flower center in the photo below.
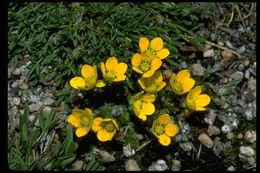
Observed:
{"x":150,"y":53}
{"x":159,"y":130}
{"x":109,"y":127}
{"x":85,"y":121}
{"x":145,"y":66}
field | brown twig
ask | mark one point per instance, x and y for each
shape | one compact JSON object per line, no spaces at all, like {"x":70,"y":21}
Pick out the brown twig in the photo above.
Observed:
{"x":223,"y":48}
{"x":143,"y":145}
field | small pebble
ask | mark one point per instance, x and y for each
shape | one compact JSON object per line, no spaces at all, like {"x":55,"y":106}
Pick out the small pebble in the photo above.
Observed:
{"x":246,"y":151}
{"x":16,"y":72}
{"x":159,"y":165}
{"x":16,"y":100}
{"x":176,"y":165}
{"x":205,"y":140}
{"x":240,"y":136}
{"x":229,"y":44}
{"x":209,"y":53}
{"x":131,"y":165}
{"x":230,"y":136}
{"x":250,"y":136}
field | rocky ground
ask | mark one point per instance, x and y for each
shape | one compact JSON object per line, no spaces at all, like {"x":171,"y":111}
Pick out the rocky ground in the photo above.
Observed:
{"x":229,"y":134}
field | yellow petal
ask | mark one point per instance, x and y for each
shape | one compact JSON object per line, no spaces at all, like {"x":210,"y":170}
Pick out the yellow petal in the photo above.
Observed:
{"x":148,"y":73}
{"x":120,"y":78}
{"x":103,"y":68}
{"x":142,"y":116}
{"x":141,"y":83}
{"x":82,"y":131}
{"x":164,"y":140}
{"x":200,"y":109}
{"x":171,"y":130}
{"x":96,"y":125}
{"x":103,"y":135}
{"x":137,"y":70}
{"x":138,"y":95}
{"x":156,"y":64}
{"x":187,"y":85}
{"x":111,"y":64}
{"x":156,"y":44}
{"x":143,"y":44}
{"x":88,"y":111}
{"x":163,"y":53}
{"x":173,"y":77}
{"x":161,"y":86}
{"x":164,"y":119}
{"x":157,"y":77}
{"x":100,"y":83}
{"x":195,"y":92}
{"x":147,"y":109}
{"x":190,"y":103}
{"x":136,"y":107}
{"x":78,"y":83}
{"x":148,"y":98}
{"x":183,"y":74}
{"x":95,"y":72}
{"x":87,"y":71}
{"x":136,"y":60}
{"x":121,"y":69}
{"x":202,"y":100}
{"x":74,"y":120}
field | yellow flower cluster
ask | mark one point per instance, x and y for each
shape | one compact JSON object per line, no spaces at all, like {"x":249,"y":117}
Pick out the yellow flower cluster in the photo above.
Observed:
{"x":147,"y":63}
{"x":112,"y":71}
{"x":83,"y":121}
{"x":183,"y":83}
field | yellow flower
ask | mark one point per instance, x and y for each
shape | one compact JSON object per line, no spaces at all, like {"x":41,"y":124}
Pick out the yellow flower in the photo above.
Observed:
{"x":146,"y":65}
{"x":181,"y":83}
{"x":113,"y":71}
{"x":105,"y":128}
{"x":164,"y":129}
{"x":142,"y":105}
{"x":152,"y":84}
{"x":82,"y":120}
{"x":197,"y":101}
{"x":88,"y":80}
{"x":154,"y":48}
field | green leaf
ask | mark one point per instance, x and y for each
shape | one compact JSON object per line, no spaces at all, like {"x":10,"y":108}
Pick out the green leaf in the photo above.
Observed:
{"x":41,"y":120}
{"x":67,"y":159}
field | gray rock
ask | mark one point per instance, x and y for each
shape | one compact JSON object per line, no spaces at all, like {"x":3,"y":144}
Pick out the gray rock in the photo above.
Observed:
{"x":231,"y":168}
{"x":247,"y":74}
{"x":249,"y":114}
{"x":241,"y":50}
{"x":197,"y":70}
{"x":230,"y":136}
{"x":213,"y":130}
{"x":240,"y":136}
{"x":246,"y":151}
{"x":229,"y":44}
{"x":48,"y":101}
{"x":15,"y":84}
{"x":176,"y":165}
{"x":22,"y":84}
{"x":183,"y":65}
{"x":159,"y":165}
{"x":13,"y":112}
{"x":235,"y":123}
{"x":218,"y":148}
{"x":238,"y":75}
{"x":128,"y":151}
{"x":77,"y":165}
{"x":186,"y":146}
{"x":131,"y":165}
{"x":16,"y":72}
{"x":226,"y":129}
{"x":16,"y":100}
{"x":210,"y":117}
{"x":209,"y":53}
{"x":46,"y":111}
{"x":34,"y":98}
{"x":251,"y":84}
{"x":35,"y":106}
{"x":104,"y":156}
{"x":205,"y":140}
{"x":250,"y":136}
{"x":251,"y":161}
{"x":10,"y":72}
